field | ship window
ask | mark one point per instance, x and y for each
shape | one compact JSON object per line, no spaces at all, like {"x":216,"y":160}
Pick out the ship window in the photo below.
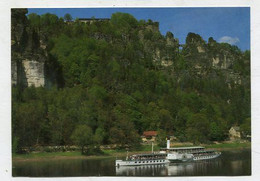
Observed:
{"x":143,"y":161}
{"x":135,"y":162}
{"x":139,"y":162}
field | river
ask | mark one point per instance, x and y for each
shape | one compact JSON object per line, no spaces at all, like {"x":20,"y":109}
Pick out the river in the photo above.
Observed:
{"x":230,"y":163}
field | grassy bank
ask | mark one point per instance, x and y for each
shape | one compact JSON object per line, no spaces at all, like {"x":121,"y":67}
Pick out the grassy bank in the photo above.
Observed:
{"x":46,"y":155}
{"x":38,"y":156}
{"x":227,"y":146}
{"x":115,"y":153}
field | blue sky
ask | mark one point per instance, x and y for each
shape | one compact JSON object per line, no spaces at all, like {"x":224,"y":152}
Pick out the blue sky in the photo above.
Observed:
{"x":231,"y":25}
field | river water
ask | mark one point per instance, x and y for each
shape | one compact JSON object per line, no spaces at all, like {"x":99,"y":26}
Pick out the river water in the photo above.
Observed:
{"x":230,"y":163}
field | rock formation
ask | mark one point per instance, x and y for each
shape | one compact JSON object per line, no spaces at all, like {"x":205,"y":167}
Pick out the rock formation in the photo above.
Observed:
{"x":29,"y":51}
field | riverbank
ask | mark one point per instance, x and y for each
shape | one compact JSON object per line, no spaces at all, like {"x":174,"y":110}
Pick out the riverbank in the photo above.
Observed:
{"x":40,"y":156}
{"x":229,"y":146}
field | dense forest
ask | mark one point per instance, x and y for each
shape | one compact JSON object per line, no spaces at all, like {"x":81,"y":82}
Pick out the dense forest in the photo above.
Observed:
{"x":108,"y":81}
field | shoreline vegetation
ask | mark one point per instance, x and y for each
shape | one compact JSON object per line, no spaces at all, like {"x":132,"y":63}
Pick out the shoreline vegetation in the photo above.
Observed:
{"x":41,"y":156}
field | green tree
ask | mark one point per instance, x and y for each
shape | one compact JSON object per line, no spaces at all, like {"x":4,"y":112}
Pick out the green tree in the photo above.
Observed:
{"x":216,"y":134}
{"x":28,"y":121}
{"x":166,"y":121}
{"x":15,"y":146}
{"x":99,"y":136}
{"x":246,"y":127}
{"x":198,"y":128}
{"x":35,"y":21}
{"x":83,"y":137}
{"x":123,"y":21}
{"x":123,"y":132}
{"x":161,"y":138}
{"x":67,"y":17}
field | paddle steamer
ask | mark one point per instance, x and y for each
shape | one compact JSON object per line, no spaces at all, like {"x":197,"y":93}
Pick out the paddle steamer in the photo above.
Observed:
{"x":167,"y":155}
{"x":183,"y":154}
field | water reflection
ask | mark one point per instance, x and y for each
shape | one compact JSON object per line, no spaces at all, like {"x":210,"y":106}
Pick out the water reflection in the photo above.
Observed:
{"x":180,"y":169}
{"x":173,"y":169}
{"x":151,"y":170}
{"x":228,"y":164}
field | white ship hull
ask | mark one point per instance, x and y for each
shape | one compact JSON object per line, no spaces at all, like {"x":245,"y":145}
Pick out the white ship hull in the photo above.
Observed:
{"x":184,"y":157}
{"x":141,"y":162}
{"x":206,"y":157}
{"x":176,"y":157}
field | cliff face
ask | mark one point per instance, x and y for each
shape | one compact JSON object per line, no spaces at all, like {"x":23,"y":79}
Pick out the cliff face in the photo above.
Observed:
{"x":27,"y":64}
{"x":209,"y":57}
{"x":30,"y":54}
{"x":28,"y":73}
{"x":13,"y":72}
{"x":34,"y":73}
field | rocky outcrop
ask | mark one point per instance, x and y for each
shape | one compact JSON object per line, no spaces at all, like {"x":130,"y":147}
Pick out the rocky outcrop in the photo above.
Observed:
{"x":14,"y":72}
{"x":165,"y":57}
{"x":200,"y":49}
{"x":28,"y":73}
{"x":222,"y":63}
{"x":166,"y":63}
{"x":28,"y":52}
{"x":34,"y":73}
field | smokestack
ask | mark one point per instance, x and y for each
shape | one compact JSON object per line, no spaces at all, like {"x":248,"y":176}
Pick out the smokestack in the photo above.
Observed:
{"x":168,"y":143}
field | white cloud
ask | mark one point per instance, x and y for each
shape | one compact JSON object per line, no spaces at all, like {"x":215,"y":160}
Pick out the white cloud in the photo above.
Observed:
{"x":229,"y":40}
